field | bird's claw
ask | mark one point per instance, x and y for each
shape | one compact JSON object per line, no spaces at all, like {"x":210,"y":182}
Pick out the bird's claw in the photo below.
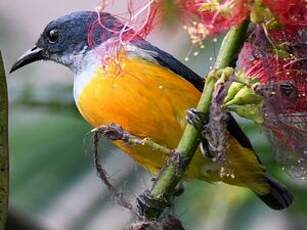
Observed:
{"x":112,"y":132}
{"x":199,"y":120}
{"x":204,"y":148}
{"x":146,"y":204}
{"x":196,"y":118}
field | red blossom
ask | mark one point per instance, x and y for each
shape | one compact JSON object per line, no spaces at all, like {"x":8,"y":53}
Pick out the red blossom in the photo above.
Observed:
{"x":289,"y":12}
{"x":213,"y":17}
{"x":279,"y":61}
{"x":280,"y":58}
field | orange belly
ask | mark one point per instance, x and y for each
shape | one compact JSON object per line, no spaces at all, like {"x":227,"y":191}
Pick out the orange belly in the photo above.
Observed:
{"x":145,"y":99}
{"x":150,"y":101}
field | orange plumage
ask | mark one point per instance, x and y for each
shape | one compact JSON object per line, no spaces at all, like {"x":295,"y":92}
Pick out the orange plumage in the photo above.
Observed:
{"x":148,"y":100}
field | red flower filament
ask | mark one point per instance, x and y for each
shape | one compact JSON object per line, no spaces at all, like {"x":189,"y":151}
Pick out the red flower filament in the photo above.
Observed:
{"x":279,"y":62}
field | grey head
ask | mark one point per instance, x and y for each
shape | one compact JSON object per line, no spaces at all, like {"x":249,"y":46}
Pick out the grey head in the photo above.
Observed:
{"x":71,"y":36}
{"x":67,"y":39}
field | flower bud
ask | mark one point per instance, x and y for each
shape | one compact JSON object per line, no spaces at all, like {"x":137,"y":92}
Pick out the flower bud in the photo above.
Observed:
{"x":233,"y":90}
{"x":245,"y":96}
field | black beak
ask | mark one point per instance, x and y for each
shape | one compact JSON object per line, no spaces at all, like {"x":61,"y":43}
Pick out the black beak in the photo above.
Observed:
{"x":32,"y":55}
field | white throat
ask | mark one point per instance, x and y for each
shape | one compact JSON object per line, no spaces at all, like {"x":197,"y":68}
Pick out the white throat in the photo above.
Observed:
{"x":83,"y":69}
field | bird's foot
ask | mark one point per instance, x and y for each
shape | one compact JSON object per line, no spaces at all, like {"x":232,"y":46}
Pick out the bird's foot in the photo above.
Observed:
{"x":197,"y":119}
{"x":148,"y":206}
{"x":205,"y":149}
{"x":113,"y":132}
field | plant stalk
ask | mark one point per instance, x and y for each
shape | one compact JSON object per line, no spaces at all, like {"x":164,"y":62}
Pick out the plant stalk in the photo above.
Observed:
{"x":4,"y":152}
{"x":152,"y":203}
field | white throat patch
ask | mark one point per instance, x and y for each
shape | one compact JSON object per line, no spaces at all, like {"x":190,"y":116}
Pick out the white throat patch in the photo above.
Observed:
{"x":84,"y":73}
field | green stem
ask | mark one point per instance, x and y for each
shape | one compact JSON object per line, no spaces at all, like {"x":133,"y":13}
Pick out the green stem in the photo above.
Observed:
{"x":153,"y":202}
{"x":4,"y":153}
{"x":231,"y":46}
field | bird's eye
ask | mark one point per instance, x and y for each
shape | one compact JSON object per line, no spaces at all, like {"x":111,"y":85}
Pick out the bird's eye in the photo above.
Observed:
{"x":53,"y":36}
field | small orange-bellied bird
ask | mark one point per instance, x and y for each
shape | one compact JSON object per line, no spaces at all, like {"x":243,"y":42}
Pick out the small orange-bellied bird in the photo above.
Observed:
{"x":148,"y":97}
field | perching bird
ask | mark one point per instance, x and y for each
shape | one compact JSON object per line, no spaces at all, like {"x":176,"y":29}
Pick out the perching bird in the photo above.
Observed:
{"x":148,"y":96}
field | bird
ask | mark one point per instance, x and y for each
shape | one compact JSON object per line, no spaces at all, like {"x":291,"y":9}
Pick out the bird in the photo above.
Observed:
{"x":147,"y":92}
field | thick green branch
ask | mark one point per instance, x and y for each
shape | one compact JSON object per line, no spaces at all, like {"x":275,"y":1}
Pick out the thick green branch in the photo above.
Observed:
{"x":152,"y":203}
{"x":4,"y":154}
{"x":231,"y":46}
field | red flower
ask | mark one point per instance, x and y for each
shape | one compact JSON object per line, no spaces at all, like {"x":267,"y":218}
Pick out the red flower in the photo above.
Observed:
{"x":289,"y":12}
{"x":279,"y":62}
{"x":213,"y":17}
{"x":278,"y":59}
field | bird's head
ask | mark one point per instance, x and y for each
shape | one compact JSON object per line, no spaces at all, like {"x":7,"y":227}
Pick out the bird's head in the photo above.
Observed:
{"x":70,"y":37}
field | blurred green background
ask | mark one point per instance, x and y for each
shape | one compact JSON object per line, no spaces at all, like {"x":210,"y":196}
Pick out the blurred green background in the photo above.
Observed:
{"x":53,"y":183}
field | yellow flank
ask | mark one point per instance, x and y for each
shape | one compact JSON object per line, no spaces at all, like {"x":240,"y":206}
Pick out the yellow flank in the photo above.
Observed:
{"x":151,"y":101}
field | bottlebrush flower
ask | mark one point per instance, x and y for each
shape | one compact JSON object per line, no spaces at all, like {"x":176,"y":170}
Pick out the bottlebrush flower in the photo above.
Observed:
{"x":278,"y":60}
{"x":211,"y":17}
{"x":289,"y":12}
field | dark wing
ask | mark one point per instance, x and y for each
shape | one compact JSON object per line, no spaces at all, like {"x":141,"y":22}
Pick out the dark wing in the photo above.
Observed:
{"x":170,"y":62}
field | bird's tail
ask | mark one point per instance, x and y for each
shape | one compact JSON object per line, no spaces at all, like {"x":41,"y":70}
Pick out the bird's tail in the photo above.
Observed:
{"x":278,"y":197}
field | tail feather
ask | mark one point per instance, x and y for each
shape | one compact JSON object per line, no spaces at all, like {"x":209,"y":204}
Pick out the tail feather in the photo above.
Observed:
{"x":278,"y":197}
